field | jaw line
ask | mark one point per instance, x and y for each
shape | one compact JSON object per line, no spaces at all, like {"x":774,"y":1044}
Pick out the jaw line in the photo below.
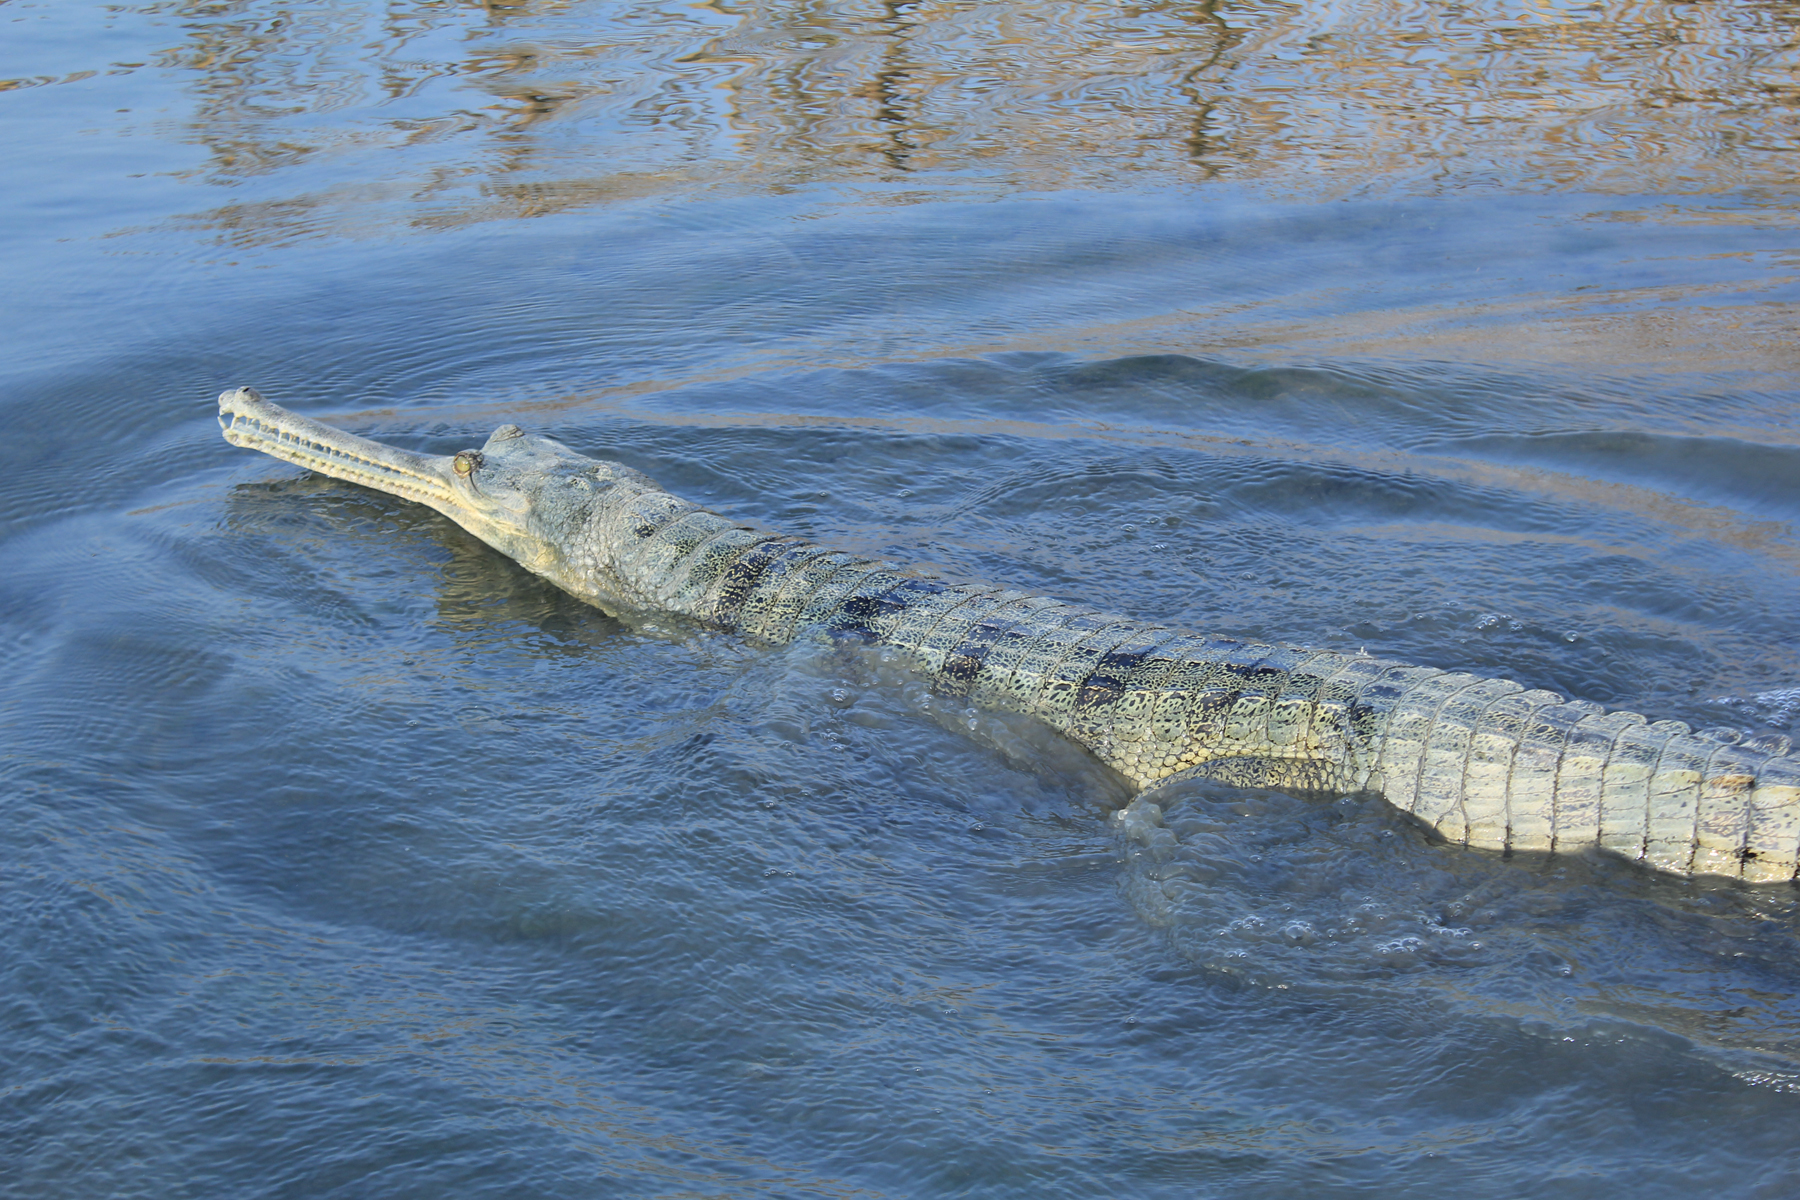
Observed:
{"x":257,"y":424}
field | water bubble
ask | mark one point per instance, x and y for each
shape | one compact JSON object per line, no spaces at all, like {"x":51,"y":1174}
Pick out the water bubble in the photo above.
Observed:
{"x":1128,"y":527}
{"x":1783,"y":702}
{"x":1160,"y":547}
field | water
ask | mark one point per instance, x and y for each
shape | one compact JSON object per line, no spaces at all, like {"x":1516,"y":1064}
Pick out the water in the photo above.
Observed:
{"x":343,"y":858}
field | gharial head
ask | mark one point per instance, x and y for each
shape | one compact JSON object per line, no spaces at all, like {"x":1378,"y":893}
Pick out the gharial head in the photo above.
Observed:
{"x":521,"y":493}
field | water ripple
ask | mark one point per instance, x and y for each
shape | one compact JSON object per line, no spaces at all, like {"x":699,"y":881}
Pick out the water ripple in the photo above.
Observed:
{"x":478,"y":113}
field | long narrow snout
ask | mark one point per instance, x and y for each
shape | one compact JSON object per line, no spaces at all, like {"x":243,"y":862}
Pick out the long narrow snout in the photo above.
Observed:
{"x":257,"y":424}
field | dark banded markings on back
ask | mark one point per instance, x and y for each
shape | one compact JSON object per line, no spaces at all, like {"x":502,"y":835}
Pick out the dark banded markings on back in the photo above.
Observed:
{"x":1112,"y":672}
{"x":873,"y":614}
{"x":1293,"y":705}
{"x":1260,"y":669}
{"x":953,"y":627}
{"x":929,"y":605}
{"x":1055,"y":699}
{"x":1350,"y":675}
{"x":1342,"y":692}
{"x":736,"y":583}
{"x":753,"y":610}
{"x":706,"y":562}
{"x":860,"y":573}
{"x":1236,"y":693}
{"x":1231,"y":665}
{"x":872,"y":609}
{"x":1371,"y":701}
{"x":961,"y":668}
{"x":1000,"y":684}
{"x":1168,"y":715}
{"x":954,"y":651}
{"x":1208,"y":712}
{"x":1128,"y":718}
{"x":1043,"y":653}
{"x":770,"y":611}
{"x":911,"y":594}
{"x":1384,"y":691}
{"x":965,"y":663}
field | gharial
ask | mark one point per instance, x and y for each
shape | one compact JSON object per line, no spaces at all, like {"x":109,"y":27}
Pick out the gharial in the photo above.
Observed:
{"x":1485,"y":762}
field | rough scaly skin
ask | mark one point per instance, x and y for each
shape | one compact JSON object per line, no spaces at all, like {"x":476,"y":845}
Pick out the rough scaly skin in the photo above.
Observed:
{"x":1485,"y":762}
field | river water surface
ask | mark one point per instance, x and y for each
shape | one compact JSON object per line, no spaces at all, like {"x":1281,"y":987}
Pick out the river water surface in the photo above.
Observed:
{"x":340,"y":857}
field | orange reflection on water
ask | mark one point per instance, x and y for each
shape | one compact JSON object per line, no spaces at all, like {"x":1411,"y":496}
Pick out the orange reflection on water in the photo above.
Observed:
{"x":489,"y":109}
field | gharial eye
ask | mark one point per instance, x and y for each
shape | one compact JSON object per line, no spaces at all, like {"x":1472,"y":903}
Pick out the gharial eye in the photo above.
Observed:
{"x":466,"y":462}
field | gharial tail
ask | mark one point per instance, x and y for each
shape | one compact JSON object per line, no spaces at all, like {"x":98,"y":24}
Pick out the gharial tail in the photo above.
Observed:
{"x":1490,"y":765}
{"x":1531,"y":772}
